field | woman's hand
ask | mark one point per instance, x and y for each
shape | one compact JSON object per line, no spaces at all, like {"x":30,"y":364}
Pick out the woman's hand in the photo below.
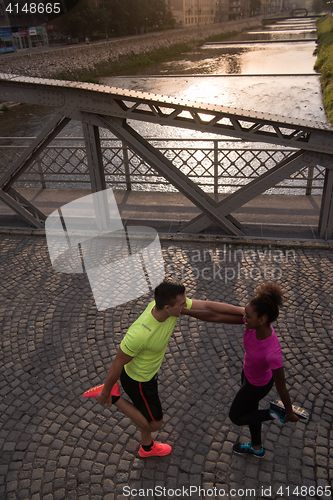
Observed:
{"x":280,"y":384}
{"x":291,"y":418}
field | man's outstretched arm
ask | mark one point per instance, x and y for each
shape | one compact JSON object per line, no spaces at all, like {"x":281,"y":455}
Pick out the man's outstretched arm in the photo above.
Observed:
{"x":217,"y":312}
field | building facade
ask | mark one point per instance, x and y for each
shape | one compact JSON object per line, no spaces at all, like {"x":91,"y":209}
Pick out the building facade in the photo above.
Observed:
{"x":198,"y":12}
{"x":20,"y":29}
{"x":238,"y":9}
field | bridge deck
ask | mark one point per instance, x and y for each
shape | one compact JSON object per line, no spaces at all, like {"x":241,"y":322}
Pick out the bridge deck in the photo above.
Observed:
{"x":111,"y":108}
{"x":269,"y":216}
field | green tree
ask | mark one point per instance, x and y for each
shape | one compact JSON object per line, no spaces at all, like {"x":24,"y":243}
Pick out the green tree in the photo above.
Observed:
{"x":117,"y":16}
{"x":169,"y":17}
{"x":114,"y":17}
{"x":81,"y":21}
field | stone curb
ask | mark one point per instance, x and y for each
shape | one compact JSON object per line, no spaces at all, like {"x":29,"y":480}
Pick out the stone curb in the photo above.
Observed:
{"x":278,"y":242}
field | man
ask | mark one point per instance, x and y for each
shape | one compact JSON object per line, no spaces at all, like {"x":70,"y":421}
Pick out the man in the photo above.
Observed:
{"x":140,"y":356}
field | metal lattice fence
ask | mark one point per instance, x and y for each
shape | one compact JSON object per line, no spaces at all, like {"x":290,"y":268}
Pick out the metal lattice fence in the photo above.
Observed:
{"x":216,"y":166}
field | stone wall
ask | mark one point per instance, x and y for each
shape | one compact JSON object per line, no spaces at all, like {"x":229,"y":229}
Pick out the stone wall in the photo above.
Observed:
{"x":51,"y":62}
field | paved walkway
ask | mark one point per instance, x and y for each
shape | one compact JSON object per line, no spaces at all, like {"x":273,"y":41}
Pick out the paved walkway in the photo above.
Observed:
{"x":267,"y":216}
{"x":55,"y":345}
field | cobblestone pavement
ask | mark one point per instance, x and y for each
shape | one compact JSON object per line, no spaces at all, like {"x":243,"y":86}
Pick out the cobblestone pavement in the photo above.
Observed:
{"x":55,"y":345}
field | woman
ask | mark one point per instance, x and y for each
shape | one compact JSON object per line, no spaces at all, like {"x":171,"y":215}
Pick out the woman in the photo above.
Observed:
{"x":262,"y":367}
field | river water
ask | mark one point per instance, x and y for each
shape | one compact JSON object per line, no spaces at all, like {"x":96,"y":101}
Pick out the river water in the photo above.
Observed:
{"x":274,"y":74}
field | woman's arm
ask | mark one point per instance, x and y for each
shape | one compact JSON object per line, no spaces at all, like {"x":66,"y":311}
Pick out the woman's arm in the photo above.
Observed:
{"x":214,"y":317}
{"x":217,"y":307}
{"x":280,"y":384}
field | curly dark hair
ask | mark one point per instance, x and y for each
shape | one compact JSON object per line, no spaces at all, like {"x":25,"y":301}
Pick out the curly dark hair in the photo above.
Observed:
{"x":268,"y":301}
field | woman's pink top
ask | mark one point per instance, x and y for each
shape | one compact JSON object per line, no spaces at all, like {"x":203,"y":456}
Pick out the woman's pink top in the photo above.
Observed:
{"x":261,"y":357}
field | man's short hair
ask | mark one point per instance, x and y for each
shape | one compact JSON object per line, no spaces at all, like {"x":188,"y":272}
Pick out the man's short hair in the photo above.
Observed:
{"x":166,"y":293}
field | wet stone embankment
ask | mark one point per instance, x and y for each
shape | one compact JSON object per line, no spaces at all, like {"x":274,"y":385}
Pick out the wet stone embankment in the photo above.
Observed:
{"x":86,"y":58}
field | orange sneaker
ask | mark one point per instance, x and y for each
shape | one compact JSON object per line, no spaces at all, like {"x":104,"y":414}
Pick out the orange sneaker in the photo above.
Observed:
{"x":92,"y":393}
{"x":158,"y":450}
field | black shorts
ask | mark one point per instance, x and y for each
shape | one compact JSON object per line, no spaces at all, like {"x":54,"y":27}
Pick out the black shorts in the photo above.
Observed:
{"x":144,"y":396}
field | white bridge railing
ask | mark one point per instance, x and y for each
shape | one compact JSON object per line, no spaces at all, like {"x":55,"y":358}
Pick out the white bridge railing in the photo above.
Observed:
{"x":217,"y":166}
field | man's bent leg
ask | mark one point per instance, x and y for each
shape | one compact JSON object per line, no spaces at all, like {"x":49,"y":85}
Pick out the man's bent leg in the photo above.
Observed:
{"x":148,"y":447}
{"x":146,"y":412}
{"x":137,"y":418}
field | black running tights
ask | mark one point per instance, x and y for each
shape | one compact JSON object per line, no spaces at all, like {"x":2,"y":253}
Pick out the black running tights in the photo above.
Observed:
{"x":244,"y":409}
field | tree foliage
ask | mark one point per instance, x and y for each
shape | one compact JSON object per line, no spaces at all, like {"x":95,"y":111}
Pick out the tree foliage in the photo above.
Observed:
{"x":82,"y":20}
{"x":324,"y":63}
{"x":111,"y":18}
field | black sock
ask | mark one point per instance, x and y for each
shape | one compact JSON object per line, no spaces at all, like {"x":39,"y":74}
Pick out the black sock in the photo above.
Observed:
{"x":148,"y":447}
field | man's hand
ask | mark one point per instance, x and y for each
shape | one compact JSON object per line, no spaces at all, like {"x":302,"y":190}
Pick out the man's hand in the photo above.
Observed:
{"x":112,"y":376}
{"x":104,"y":399}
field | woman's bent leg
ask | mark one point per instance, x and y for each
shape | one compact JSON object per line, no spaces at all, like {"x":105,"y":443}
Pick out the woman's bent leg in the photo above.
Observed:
{"x":244,"y":409}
